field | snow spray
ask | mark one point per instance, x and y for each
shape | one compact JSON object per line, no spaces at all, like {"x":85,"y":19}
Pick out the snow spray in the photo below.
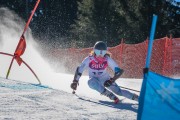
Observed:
{"x":11,"y":28}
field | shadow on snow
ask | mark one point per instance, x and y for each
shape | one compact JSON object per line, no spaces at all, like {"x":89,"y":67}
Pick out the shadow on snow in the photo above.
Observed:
{"x":127,"y":106}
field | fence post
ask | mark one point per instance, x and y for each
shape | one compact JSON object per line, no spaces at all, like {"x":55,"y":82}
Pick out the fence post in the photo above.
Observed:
{"x":121,"y":51}
{"x":170,"y":52}
{"x":165,"y":55}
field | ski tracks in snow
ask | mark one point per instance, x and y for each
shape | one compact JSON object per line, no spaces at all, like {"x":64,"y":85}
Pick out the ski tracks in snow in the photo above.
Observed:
{"x":25,"y":101}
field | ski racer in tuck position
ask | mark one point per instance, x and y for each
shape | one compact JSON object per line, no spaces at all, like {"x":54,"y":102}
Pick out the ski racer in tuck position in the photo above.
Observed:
{"x":99,"y":79}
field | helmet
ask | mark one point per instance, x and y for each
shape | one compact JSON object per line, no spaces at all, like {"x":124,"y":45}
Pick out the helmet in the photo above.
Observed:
{"x":100,"y":48}
{"x":100,"y":45}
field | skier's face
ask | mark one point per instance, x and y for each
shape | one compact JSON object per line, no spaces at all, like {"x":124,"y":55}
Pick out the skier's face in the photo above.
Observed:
{"x":100,"y":53}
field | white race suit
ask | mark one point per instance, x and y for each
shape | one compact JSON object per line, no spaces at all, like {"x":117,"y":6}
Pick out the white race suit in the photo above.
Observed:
{"x":98,"y":74}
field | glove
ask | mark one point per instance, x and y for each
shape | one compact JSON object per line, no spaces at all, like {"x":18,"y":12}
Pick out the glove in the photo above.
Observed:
{"x":108,"y":83}
{"x":74,"y":84}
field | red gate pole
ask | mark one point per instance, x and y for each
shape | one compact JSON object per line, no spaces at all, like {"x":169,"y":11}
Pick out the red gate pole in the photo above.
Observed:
{"x":25,"y":28}
{"x":9,"y":68}
{"x":10,"y":64}
{"x":6,"y":54}
{"x":32,"y":71}
{"x":23,"y":62}
{"x":29,"y":20}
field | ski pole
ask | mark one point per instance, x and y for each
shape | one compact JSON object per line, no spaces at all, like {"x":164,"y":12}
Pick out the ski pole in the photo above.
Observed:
{"x":129,"y":89}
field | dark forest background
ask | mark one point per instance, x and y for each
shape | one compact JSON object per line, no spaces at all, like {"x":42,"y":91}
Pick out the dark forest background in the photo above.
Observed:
{"x":80,"y":23}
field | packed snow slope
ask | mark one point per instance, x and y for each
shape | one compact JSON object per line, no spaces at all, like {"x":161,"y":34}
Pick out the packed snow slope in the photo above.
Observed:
{"x":23,"y":100}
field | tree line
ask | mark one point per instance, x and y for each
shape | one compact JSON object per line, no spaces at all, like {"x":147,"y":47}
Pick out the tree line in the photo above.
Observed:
{"x":80,"y":23}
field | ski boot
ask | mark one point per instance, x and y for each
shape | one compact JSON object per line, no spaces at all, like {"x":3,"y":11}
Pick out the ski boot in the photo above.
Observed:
{"x":116,"y":100}
{"x":110,"y":95}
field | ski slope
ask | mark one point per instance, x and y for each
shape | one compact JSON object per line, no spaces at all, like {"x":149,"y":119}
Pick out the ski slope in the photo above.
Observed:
{"x":22,"y":101}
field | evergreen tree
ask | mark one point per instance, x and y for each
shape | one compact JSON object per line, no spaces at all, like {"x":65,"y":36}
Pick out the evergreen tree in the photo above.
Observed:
{"x":168,"y":17}
{"x":62,"y":22}
{"x":109,"y":21}
{"x":84,"y":28}
{"x":135,"y":28}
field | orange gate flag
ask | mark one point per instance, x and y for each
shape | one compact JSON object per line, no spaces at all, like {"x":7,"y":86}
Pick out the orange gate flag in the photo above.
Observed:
{"x":20,"y":50}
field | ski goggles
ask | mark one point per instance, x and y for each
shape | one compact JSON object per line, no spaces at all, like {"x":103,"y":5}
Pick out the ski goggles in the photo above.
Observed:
{"x":100,"y":52}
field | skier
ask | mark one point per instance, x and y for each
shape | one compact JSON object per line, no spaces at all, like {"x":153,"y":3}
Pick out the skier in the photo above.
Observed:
{"x":99,"y":78}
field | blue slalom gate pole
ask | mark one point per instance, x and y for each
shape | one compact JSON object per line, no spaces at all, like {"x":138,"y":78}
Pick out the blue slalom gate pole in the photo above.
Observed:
{"x":150,"y":44}
{"x":148,"y":59}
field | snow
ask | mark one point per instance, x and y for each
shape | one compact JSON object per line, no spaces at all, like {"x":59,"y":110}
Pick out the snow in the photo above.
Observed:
{"x":22,"y":100}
